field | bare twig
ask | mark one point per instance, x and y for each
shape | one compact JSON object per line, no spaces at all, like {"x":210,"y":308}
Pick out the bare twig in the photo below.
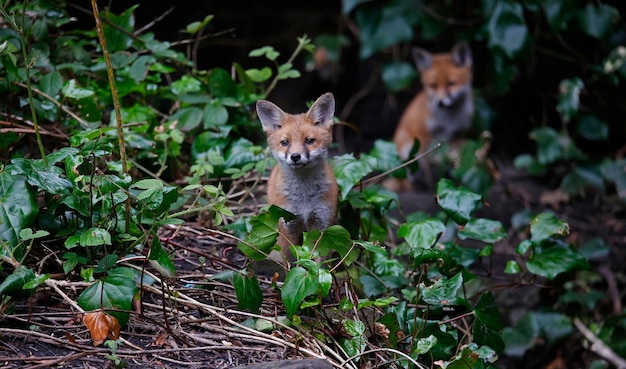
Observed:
{"x":599,"y":347}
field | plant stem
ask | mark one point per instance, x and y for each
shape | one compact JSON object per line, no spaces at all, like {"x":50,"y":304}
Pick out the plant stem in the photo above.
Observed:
{"x":301,"y":43}
{"x":27,"y":66}
{"x":116,"y":100}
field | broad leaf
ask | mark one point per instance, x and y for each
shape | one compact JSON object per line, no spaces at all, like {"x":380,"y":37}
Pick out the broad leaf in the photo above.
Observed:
{"x":334,"y":238}
{"x":262,"y":238}
{"x":13,"y":285}
{"x":444,"y":292}
{"x":299,"y":284}
{"x":546,"y":225}
{"x":597,"y":21}
{"x":457,"y":202}
{"x":349,"y":171}
{"x":554,"y":260}
{"x":485,"y":230}
{"x":488,"y":323}
{"x":73,"y":91}
{"x":51,"y":83}
{"x":398,"y":75}
{"x":507,"y":28}
{"x":18,"y":210}
{"x":113,"y":292}
{"x":159,"y":259}
{"x":421,"y":235}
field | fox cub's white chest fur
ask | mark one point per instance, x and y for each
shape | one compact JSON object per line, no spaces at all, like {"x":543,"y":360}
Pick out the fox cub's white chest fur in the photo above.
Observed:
{"x":302,"y":181}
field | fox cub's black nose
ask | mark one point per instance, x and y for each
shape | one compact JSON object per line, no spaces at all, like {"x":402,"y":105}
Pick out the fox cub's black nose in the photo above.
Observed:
{"x":296,"y":157}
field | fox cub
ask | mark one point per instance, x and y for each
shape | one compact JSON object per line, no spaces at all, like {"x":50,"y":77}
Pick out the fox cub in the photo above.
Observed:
{"x":302,"y":182}
{"x":445,"y":107}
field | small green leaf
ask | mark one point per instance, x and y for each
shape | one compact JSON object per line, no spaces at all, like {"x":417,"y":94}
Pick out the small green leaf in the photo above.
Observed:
{"x":546,"y":225}
{"x":485,"y":230}
{"x":569,"y":97}
{"x":424,"y":345}
{"x":71,"y":90}
{"x":159,"y":259}
{"x":215,"y":114}
{"x":185,"y":85}
{"x":259,"y":75}
{"x":597,"y":21}
{"x":507,"y":28}
{"x":115,"y":292}
{"x":249,"y":294}
{"x":262,"y":238}
{"x":398,"y":75}
{"x":444,"y":292}
{"x":554,"y":260}
{"x":592,"y":128}
{"x":188,"y":118}
{"x":299,"y":284}
{"x":334,"y":238}
{"x":520,"y":338}
{"x":457,"y":202}
{"x":512,"y":267}
{"x":51,"y":83}
{"x":349,"y":171}
{"x":595,"y":248}
{"x":422,"y":234}
{"x":13,"y":284}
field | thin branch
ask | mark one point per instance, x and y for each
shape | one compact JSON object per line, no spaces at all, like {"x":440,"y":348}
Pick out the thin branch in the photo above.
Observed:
{"x":599,"y":347}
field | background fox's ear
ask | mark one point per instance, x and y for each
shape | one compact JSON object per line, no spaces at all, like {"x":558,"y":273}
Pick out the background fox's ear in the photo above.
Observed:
{"x":423,"y":59}
{"x":271,"y":116}
{"x":322,"y":111}
{"x":462,"y":54}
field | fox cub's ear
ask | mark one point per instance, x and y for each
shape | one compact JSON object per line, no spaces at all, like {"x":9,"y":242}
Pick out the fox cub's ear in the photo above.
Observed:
{"x":271,"y":116}
{"x":462,"y":54}
{"x":423,"y":59}
{"x":323,"y":110}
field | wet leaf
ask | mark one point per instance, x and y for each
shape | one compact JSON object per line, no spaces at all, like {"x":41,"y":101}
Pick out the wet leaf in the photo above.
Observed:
{"x":485,"y":230}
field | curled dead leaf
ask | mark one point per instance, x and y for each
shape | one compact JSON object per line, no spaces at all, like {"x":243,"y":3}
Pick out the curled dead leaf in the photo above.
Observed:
{"x":101,"y":326}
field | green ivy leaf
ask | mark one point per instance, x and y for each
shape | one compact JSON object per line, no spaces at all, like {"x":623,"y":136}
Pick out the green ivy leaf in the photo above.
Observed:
{"x":18,"y":210}
{"x":592,"y":128}
{"x":457,"y":202}
{"x":71,"y":90}
{"x":159,"y":259}
{"x":215,"y":114}
{"x":507,"y":28}
{"x":569,"y":97}
{"x":13,"y":284}
{"x":262,"y":238}
{"x":381,"y":29}
{"x":488,"y":323}
{"x":595,"y":248}
{"x":597,"y":21}
{"x":299,"y":284}
{"x":51,"y":83}
{"x":546,"y":225}
{"x":89,"y":237}
{"x":579,"y":179}
{"x":520,"y":338}
{"x":424,"y":345}
{"x":552,"y":261}
{"x":615,"y":171}
{"x":485,"y":230}
{"x":349,"y":171}
{"x":512,"y":267}
{"x":188,"y":118}
{"x":334,"y":238}
{"x":422,"y":234}
{"x":117,"y":39}
{"x":443,"y":292}
{"x":398,"y":75}
{"x":249,"y":294}
{"x":113,"y":292}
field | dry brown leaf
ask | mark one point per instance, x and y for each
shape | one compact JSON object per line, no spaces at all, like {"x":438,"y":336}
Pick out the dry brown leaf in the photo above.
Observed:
{"x":101,"y":326}
{"x":554,"y":198}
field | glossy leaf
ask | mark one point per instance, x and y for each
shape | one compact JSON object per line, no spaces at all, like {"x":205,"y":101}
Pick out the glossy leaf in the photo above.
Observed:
{"x":488,"y":323}
{"x":552,"y":261}
{"x":485,"y":230}
{"x":13,"y":285}
{"x":457,"y":202}
{"x":18,"y":210}
{"x":262,"y":238}
{"x":597,"y":21}
{"x":421,"y":234}
{"x":51,"y":83}
{"x":546,"y":225}
{"x":89,"y":237}
{"x":299,"y":284}
{"x":71,"y":90}
{"x":424,"y":345}
{"x":334,"y":238}
{"x":215,"y":114}
{"x":349,"y":171}
{"x":113,"y":292}
{"x":444,"y":292}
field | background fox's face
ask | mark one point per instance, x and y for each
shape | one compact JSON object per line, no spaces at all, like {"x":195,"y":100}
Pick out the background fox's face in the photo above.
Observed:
{"x":298,"y":140}
{"x":445,"y":77}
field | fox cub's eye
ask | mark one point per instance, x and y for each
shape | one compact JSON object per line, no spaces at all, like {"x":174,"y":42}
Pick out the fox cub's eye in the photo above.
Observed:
{"x":451,"y":83}
{"x":309,"y":141}
{"x":284,"y":143}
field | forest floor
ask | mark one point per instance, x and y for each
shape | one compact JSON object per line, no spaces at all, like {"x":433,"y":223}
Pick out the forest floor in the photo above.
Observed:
{"x":192,"y":321}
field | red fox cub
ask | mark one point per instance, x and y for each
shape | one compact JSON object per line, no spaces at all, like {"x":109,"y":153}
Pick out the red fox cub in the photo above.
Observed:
{"x":445,"y":107}
{"x":302,"y":182}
